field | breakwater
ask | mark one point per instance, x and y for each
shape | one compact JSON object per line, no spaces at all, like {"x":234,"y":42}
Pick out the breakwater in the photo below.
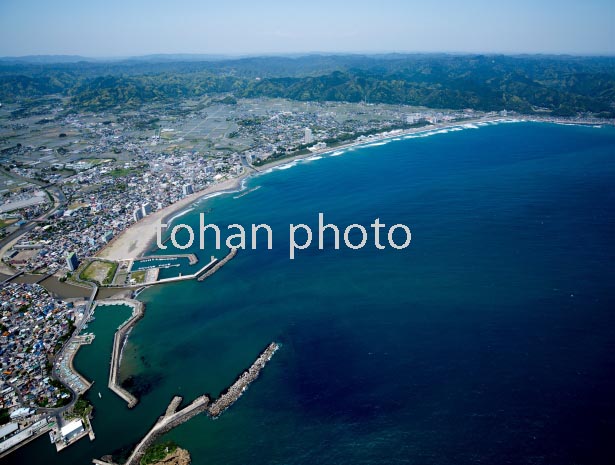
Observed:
{"x":171,"y":419}
{"x":138,"y":309}
{"x":236,"y":389}
{"x":218,"y":265}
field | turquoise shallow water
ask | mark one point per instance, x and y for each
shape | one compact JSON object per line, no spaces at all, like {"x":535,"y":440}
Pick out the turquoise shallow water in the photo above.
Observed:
{"x":491,"y":339}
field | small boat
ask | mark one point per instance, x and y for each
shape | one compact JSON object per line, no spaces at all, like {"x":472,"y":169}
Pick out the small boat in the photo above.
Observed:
{"x":99,"y":396}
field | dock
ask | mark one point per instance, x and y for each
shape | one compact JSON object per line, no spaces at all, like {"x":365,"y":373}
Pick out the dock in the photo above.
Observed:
{"x":207,"y":273}
{"x":138,"y":309}
{"x":192,"y":259}
{"x":234,"y":392}
{"x":24,"y":436}
{"x":173,"y":418}
{"x":66,"y":372}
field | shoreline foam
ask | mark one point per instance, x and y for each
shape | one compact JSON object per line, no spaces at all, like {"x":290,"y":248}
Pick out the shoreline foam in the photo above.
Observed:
{"x":139,"y":238}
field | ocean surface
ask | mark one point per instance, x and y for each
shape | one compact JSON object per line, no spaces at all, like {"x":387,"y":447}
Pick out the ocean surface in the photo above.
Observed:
{"x":489,"y":340}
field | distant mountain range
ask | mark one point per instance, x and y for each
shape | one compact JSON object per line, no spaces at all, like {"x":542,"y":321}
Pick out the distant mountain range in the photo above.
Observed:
{"x":560,"y":85}
{"x":59,"y":59}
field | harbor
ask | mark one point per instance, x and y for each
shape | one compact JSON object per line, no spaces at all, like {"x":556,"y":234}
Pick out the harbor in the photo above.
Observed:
{"x":138,"y":309}
{"x":207,"y":272}
{"x":173,"y":418}
{"x":65,"y":369}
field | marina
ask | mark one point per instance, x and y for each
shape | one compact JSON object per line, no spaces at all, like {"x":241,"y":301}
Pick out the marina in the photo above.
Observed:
{"x":119,"y":340}
{"x":337,"y":332}
{"x":172,"y":418}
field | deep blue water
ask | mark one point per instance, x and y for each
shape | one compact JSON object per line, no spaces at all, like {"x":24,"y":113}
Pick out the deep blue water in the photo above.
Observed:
{"x":490,"y":339}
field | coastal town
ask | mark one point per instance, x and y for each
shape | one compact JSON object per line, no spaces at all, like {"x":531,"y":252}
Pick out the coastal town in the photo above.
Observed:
{"x":85,"y":181}
{"x":81,"y":194}
{"x":258,"y":233}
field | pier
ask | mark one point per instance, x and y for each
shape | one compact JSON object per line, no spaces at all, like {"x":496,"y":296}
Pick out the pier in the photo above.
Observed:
{"x":234,"y":392}
{"x":210,"y":265}
{"x":192,"y":258}
{"x":152,"y":271}
{"x":217,"y":266}
{"x":119,"y":339}
{"x":173,"y":418}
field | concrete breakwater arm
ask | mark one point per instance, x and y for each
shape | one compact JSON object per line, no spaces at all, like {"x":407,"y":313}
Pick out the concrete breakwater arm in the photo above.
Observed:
{"x":138,"y":309}
{"x":218,"y":265}
{"x":243,"y":381}
{"x":171,"y":419}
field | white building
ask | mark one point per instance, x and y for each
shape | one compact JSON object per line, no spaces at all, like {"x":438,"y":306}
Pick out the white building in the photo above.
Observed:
{"x":308,"y":138}
{"x":146,"y":209}
{"x":72,"y":429}
{"x":7,"y":429}
{"x":187,"y":189}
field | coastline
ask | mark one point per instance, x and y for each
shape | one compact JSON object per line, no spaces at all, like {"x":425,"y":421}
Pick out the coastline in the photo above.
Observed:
{"x":367,"y":154}
{"x":138,"y":239}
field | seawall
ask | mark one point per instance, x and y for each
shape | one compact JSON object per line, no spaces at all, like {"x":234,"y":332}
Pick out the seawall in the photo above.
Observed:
{"x":218,"y":265}
{"x":173,"y":418}
{"x":138,"y":309}
{"x":234,"y":392}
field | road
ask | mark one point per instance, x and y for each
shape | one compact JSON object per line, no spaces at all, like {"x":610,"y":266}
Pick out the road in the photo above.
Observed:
{"x":59,"y":200}
{"x":54,"y":372}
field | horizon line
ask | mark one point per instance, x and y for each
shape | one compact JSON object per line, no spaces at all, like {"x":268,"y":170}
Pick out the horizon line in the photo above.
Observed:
{"x":239,"y":55}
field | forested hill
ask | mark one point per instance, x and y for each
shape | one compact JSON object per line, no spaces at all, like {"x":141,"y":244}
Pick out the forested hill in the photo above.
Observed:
{"x":563,"y":85}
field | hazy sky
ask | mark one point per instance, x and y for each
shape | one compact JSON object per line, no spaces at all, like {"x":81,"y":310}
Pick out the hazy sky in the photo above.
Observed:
{"x":138,"y":27}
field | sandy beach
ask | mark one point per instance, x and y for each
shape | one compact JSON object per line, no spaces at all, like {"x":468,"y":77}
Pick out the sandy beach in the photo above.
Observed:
{"x":136,"y":240}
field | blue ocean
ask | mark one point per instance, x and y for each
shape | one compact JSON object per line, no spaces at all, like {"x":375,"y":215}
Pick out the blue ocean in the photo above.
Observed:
{"x":490,"y":339}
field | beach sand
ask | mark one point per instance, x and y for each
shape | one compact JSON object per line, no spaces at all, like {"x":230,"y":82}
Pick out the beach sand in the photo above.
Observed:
{"x":137,"y":239}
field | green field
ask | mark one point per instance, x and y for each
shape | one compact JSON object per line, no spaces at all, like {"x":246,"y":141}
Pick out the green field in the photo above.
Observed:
{"x":99,"y":272}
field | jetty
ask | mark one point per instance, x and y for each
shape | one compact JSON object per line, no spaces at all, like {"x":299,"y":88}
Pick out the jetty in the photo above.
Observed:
{"x":173,"y":418}
{"x":138,"y":309}
{"x":234,"y":392}
{"x":204,"y":274}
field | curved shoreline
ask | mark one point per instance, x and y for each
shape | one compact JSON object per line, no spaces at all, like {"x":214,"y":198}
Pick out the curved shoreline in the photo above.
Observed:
{"x":138,"y":238}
